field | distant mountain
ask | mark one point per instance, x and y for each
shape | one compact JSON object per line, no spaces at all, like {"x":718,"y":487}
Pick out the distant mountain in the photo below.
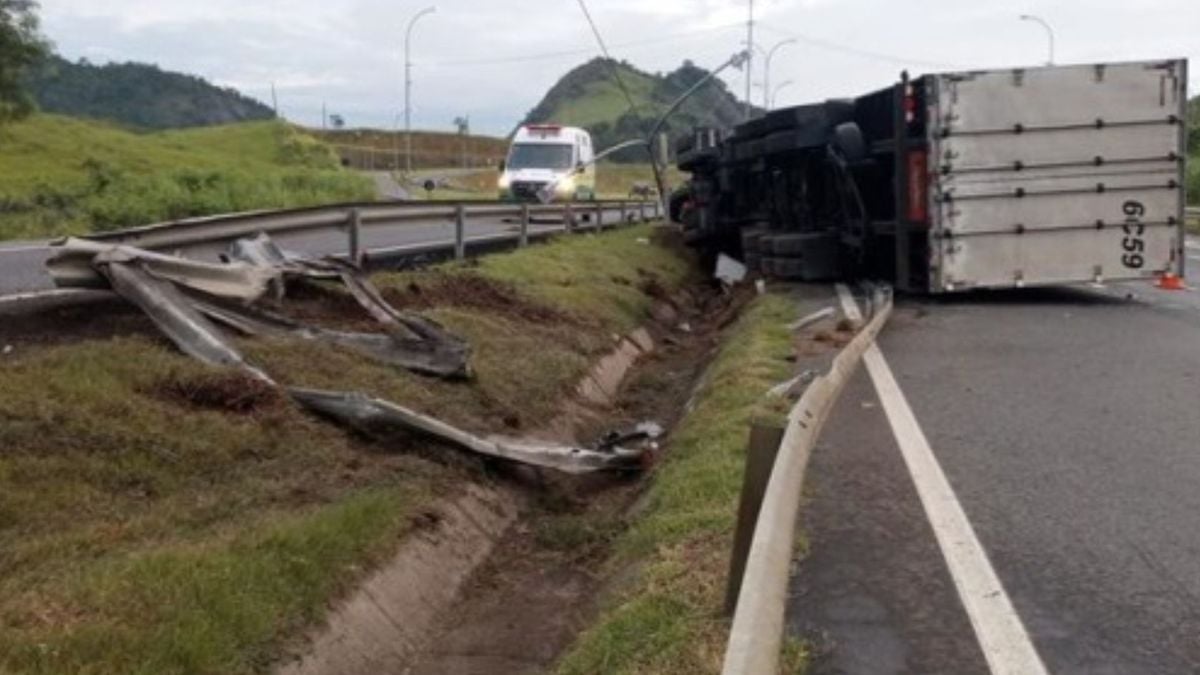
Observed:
{"x":138,"y":95}
{"x":588,"y":97}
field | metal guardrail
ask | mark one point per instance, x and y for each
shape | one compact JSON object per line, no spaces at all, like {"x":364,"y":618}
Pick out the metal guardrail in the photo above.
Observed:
{"x":756,"y":634}
{"x":353,"y":216}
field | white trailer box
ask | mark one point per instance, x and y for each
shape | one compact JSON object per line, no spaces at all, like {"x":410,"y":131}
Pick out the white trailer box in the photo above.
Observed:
{"x":1052,"y":175}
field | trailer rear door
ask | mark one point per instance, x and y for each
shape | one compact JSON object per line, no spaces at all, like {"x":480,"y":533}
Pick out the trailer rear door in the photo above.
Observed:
{"x":1057,"y":174}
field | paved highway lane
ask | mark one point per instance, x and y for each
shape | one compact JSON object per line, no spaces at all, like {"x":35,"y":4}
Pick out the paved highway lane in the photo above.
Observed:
{"x":1067,"y":423}
{"x":22,"y":266}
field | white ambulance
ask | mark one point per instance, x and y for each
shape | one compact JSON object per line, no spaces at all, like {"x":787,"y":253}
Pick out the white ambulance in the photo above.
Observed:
{"x":549,"y":161}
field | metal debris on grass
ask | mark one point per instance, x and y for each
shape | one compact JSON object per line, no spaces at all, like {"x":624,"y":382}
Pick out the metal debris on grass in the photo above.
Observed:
{"x":185,"y":297}
{"x":177,"y":294}
{"x":810,"y":319}
{"x":376,"y":416}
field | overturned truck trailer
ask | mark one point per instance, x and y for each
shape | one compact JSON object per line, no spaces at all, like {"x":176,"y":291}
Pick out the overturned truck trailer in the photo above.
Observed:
{"x":952,"y":181}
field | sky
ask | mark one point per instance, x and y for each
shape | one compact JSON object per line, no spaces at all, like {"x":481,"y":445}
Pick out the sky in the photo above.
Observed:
{"x":492,"y":60}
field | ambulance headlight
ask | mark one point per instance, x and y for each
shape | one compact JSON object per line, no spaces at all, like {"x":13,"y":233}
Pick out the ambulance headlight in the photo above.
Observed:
{"x":565,"y":186}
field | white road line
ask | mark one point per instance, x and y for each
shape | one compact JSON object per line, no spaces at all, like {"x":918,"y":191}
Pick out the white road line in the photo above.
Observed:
{"x":22,"y":249}
{"x":998,"y":628}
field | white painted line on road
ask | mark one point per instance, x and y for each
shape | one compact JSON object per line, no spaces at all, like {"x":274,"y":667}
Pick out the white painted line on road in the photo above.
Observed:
{"x":998,"y":628}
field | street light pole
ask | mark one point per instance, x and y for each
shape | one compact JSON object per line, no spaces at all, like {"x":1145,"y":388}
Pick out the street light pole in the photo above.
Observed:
{"x":749,"y":57}
{"x":775,"y":93}
{"x":767,"y":99}
{"x":1049,"y":33}
{"x":408,"y":87}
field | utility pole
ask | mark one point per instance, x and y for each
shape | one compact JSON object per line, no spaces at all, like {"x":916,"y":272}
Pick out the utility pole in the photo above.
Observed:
{"x":274,"y":100}
{"x":749,"y":56}
{"x":324,"y":117}
{"x":408,"y":87}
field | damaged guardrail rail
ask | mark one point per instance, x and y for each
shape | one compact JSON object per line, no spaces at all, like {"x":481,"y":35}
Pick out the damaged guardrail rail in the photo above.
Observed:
{"x":187,"y":299}
{"x":756,"y":636}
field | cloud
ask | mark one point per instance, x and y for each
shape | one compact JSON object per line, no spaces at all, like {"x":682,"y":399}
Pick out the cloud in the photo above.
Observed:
{"x":474,"y":57}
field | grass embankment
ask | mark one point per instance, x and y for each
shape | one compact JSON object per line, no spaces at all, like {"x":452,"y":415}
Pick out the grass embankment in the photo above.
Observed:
{"x":383,"y":150}
{"x":159,"y":516}
{"x":60,"y":175}
{"x":668,"y":619}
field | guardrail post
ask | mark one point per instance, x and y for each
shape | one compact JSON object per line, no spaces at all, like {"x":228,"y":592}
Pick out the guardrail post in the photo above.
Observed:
{"x":523,"y":239}
{"x":624,"y":214}
{"x":355,"y":223}
{"x":641,"y":211}
{"x":599,"y":216}
{"x":568,"y":217}
{"x":760,"y":459}
{"x":460,"y":239}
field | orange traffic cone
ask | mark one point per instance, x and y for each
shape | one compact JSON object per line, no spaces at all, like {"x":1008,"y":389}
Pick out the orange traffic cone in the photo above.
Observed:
{"x":1170,"y":282}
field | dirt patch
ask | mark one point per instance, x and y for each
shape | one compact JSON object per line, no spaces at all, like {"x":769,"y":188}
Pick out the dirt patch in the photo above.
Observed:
{"x":467,"y":289}
{"x":230,"y":392}
{"x":74,"y":323}
{"x":316,"y":304}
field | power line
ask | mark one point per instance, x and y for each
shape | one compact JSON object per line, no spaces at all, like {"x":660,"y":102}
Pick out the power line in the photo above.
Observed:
{"x":544,"y":56}
{"x":864,"y":53}
{"x":612,"y":67}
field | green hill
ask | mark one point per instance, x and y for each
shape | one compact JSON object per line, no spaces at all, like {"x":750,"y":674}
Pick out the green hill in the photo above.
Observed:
{"x":588,"y":97}
{"x":138,"y":95}
{"x":60,"y":175}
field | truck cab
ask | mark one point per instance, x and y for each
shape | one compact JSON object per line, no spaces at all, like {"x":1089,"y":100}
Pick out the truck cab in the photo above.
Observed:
{"x":549,"y":161}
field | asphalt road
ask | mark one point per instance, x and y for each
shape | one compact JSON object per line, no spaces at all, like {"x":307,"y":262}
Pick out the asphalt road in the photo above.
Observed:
{"x":1067,"y":421}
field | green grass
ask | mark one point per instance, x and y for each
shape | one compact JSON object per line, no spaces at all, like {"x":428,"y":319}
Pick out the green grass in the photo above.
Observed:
{"x":60,"y":175}
{"x":160,"y":516}
{"x":139,"y":533}
{"x":667,"y":621}
{"x":594,"y":276}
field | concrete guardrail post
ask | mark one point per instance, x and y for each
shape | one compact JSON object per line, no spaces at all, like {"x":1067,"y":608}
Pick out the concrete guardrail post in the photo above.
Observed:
{"x":355,"y":235}
{"x":641,"y":211}
{"x":460,"y":237}
{"x":599,"y":216}
{"x":624,"y":214}
{"x":523,"y":239}
{"x":568,"y":217}
{"x":760,"y":459}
